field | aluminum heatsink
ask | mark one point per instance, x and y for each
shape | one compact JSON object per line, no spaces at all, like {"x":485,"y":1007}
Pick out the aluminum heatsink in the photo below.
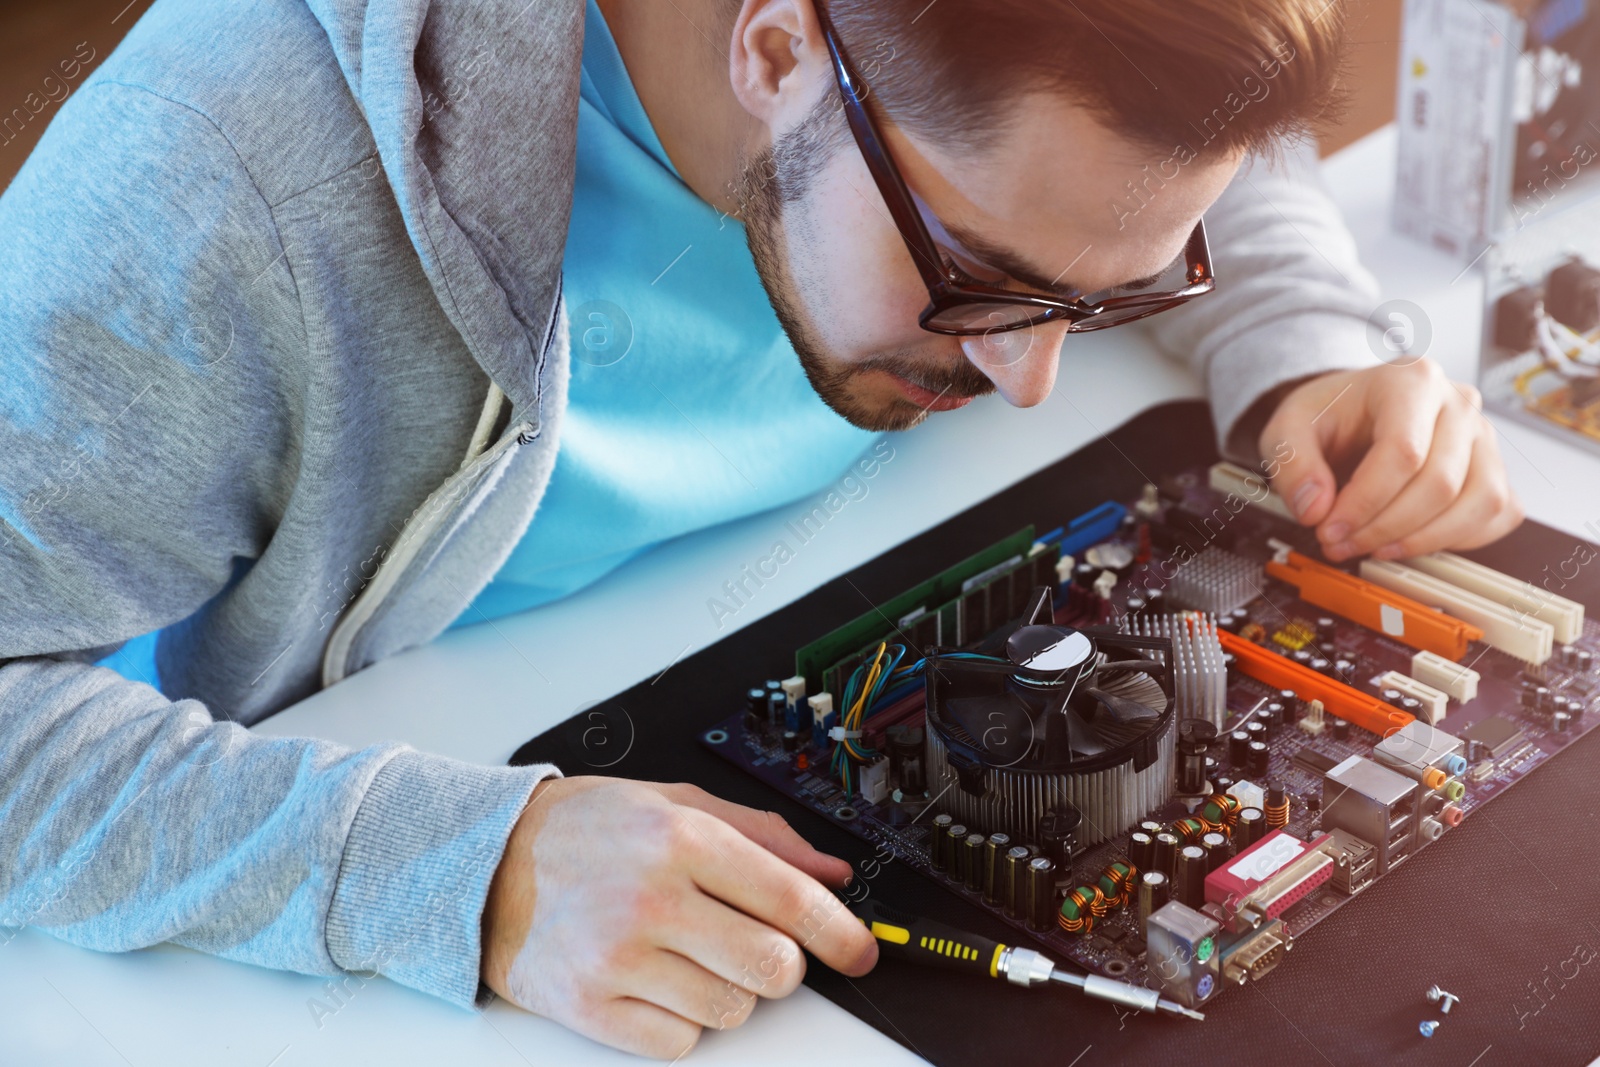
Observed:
{"x":1199,"y":675}
{"x":1216,"y":581}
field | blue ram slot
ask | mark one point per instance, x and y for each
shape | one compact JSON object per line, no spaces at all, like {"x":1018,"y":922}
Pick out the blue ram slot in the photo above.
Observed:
{"x":1087,"y":529}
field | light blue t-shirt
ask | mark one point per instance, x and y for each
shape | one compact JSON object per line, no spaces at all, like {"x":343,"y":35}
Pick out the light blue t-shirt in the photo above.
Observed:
{"x":688,"y":406}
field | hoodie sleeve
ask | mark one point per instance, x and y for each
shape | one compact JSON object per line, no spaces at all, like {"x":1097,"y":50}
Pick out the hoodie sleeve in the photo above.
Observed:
{"x":1292,"y":298}
{"x":146,"y":448}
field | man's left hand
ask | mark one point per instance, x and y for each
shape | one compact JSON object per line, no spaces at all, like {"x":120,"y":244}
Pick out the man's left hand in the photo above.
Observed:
{"x":1427,"y":474}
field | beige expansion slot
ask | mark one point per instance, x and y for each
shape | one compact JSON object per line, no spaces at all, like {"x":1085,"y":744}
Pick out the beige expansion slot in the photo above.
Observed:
{"x":1445,"y":675}
{"x":1249,"y":486}
{"x":1433,"y":701}
{"x":1564,"y":616}
{"x":1510,"y":631}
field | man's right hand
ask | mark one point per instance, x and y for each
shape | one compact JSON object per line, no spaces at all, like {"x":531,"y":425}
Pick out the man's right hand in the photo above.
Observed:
{"x":639,"y":914}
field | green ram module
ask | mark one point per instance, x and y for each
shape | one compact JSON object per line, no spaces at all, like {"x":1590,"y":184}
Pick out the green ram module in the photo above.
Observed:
{"x":928,"y":596}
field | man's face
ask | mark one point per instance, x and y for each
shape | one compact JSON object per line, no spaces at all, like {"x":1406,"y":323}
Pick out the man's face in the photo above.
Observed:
{"x":1047,"y":200}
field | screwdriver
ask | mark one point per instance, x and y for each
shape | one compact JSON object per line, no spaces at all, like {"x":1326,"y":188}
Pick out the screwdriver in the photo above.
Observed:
{"x":910,"y":937}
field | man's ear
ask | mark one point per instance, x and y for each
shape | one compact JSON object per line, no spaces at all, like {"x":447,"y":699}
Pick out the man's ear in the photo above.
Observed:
{"x":775,"y":59}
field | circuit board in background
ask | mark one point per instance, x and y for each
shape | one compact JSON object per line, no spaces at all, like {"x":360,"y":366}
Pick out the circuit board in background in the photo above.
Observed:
{"x":1115,"y":947}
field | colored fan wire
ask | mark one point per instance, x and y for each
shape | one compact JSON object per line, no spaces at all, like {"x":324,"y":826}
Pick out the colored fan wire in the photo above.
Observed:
{"x":875,"y":685}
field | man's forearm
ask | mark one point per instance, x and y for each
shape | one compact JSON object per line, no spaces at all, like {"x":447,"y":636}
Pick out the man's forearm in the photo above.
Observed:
{"x":132,"y":820}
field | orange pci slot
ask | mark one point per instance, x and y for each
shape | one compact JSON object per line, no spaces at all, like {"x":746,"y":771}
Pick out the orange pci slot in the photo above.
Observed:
{"x":1409,"y":621}
{"x":1351,"y":705}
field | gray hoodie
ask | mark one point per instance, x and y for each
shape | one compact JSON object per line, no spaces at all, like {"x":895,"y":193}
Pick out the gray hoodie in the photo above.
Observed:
{"x":284,"y":362}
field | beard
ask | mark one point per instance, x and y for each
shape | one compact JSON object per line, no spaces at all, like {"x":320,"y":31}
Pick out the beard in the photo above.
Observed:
{"x":778,"y":180}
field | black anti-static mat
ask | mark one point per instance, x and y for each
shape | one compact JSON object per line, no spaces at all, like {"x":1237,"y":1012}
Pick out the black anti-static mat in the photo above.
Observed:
{"x":1504,"y":912}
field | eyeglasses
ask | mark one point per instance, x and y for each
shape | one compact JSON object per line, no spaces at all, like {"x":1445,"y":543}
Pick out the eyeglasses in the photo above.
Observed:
{"x":963,"y":307}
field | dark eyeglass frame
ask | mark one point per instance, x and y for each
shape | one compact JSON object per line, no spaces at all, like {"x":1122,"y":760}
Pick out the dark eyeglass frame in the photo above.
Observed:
{"x":945,"y":293}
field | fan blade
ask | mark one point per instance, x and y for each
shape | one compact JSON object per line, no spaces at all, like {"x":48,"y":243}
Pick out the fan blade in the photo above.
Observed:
{"x":1001,"y":723}
{"x":1123,"y":709}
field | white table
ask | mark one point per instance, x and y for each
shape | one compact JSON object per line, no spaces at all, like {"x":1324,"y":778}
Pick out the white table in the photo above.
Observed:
{"x":480,"y":692}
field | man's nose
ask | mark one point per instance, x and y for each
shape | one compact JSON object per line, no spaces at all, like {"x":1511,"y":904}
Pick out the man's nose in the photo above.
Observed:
{"x":1021,"y":363}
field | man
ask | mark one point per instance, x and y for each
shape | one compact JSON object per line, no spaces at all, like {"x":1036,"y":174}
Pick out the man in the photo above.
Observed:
{"x":287,"y":374}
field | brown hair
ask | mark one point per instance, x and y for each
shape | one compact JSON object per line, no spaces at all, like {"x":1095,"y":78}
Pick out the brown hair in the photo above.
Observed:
{"x":1164,"y":73}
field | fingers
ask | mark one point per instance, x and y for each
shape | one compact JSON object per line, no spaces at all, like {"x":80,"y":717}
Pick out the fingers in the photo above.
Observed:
{"x":1292,"y":449}
{"x":734,"y":869}
{"x":1403,"y":424}
{"x":767,"y":829}
{"x":635,"y":1026}
{"x":688,"y":991}
{"x":1485,"y":511}
{"x":735,"y":948}
{"x":1433,"y":489}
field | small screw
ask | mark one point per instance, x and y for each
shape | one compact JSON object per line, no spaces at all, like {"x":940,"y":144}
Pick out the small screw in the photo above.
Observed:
{"x":1446,"y":1001}
{"x":1428,"y":1027}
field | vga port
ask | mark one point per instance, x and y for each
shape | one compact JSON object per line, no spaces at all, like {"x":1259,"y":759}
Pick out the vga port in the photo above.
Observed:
{"x":1254,"y":956}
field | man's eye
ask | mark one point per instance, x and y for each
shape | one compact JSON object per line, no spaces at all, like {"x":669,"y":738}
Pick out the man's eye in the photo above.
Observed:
{"x":958,"y":275}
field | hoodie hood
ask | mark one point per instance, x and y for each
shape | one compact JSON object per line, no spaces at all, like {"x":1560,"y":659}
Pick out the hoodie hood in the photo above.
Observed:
{"x":472,"y":104}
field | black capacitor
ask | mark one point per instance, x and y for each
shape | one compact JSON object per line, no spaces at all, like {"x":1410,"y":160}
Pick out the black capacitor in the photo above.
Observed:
{"x":1194,"y":739}
{"x":1015,"y":896}
{"x":1218,"y":851}
{"x":1238,"y":748}
{"x":905,"y":759}
{"x":1084,"y":574}
{"x":1166,"y":850}
{"x":1545,"y":697}
{"x":1326,"y":627}
{"x":1251,"y":827}
{"x":1560,"y":721}
{"x":1058,"y":834}
{"x":1286,"y":697}
{"x":1257,"y":731}
{"x":777,"y":707}
{"x":1575,"y":708}
{"x":1412,"y":706}
{"x":1189,"y":876}
{"x":939,"y":849}
{"x":1260,"y":755}
{"x":1344,"y":670}
{"x":1272,"y":716}
{"x":1529,"y":698}
{"x":994,"y":871}
{"x":972,"y":861}
{"x":1239,"y":616}
{"x":1141,"y":850}
{"x":1222,"y":783}
{"x":755,"y":708}
{"x":1585,"y":660}
{"x":954,"y":834}
{"x":1041,"y":893}
{"x":1302,"y":657}
{"x":1155,"y":598}
{"x":1151,"y":827}
{"x":1558,"y":704}
{"x":791,"y":741}
{"x":1390,"y":696}
{"x":1569,"y":655}
{"x":1155,"y":889}
{"x":1135,"y":603}
{"x":1320,"y":665}
{"x":1341,"y":729}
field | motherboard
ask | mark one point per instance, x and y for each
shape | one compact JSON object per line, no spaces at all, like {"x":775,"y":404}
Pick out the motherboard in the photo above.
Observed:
{"x":1164,"y":738}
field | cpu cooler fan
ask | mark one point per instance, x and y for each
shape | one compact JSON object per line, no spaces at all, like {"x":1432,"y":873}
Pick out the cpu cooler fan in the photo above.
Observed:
{"x":1060,"y":718}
